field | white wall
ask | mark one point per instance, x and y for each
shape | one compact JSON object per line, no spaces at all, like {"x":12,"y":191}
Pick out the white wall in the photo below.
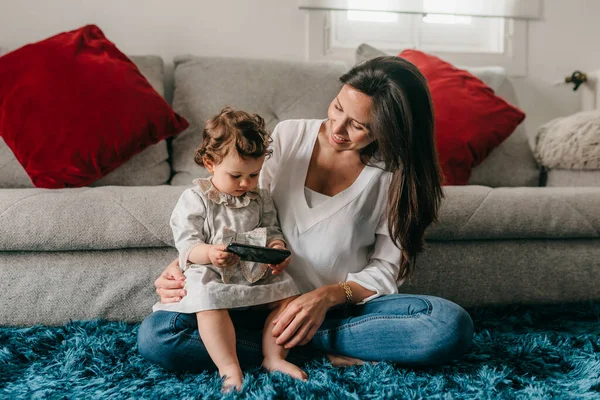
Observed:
{"x":257,"y":28}
{"x":565,"y":40}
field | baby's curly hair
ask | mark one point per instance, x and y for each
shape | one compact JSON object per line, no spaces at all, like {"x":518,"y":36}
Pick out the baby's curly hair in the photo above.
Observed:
{"x":247,"y":132}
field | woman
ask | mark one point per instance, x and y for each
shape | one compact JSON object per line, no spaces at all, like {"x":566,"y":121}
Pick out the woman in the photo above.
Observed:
{"x":354,"y":195}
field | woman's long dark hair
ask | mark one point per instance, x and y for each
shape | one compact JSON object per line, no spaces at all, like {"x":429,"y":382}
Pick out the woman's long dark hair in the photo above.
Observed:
{"x":403,"y":128}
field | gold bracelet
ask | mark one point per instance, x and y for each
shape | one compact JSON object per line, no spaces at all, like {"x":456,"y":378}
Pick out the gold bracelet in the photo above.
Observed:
{"x":347,"y":291}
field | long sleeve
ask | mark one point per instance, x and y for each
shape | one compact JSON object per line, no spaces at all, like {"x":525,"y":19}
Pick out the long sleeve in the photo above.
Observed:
{"x":384,"y":265}
{"x":187,"y":221}
{"x":269,"y":217}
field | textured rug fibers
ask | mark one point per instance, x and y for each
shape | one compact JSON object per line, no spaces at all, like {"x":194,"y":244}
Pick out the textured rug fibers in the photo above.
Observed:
{"x":519,"y":352}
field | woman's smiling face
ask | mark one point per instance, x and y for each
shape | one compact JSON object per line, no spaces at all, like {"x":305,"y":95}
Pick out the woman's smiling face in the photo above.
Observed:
{"x":349,"y":122}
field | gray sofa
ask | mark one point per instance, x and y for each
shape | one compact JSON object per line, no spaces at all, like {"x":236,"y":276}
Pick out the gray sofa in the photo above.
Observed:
{"x":95,"y":252}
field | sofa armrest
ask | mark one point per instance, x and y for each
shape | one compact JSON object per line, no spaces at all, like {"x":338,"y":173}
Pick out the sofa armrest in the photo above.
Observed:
{"x":571,"y":177}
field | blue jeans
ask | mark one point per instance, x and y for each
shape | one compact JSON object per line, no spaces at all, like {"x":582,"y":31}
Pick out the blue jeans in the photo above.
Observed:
{"x":402,"y":328}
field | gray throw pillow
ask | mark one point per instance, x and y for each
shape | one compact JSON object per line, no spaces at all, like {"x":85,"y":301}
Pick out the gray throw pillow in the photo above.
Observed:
{"x":366,"y":52}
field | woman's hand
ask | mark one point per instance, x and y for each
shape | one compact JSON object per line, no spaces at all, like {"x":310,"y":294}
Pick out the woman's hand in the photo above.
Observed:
{"x":279,"y":268}
{"x":221,"y":258}
{"x":301,"y":319}
{"x":169,"y":285}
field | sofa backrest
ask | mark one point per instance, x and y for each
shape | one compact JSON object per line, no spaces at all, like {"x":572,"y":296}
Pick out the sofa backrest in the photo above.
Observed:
{"x":512,"y":163}
{"x":280,"y":90}
{"x":276,"y":90}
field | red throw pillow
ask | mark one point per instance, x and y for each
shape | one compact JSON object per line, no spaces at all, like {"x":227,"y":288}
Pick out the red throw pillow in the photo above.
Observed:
{"x":470,"y":120}
{"x":73,"y":108}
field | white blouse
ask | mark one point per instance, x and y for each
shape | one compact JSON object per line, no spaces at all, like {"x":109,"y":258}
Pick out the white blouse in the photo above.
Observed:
{"x":340,"y":238}
{"x":313,"y":198}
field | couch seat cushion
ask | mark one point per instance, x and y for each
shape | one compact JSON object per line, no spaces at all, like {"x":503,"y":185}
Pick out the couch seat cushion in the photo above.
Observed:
{"x":109,"y":217}
{"x":479,"y":212}
{"x":114,"y":217}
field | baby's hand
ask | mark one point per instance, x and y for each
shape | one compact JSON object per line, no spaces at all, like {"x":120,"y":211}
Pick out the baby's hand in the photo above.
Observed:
{"x":279,"y":268}
{"x":221,"y":258}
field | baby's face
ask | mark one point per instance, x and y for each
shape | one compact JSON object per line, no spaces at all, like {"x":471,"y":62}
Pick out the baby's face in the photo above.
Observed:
{"x":236,"y":175}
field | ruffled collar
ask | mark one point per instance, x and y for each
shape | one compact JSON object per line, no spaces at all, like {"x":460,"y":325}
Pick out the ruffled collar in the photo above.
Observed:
{"x":213,"y":194}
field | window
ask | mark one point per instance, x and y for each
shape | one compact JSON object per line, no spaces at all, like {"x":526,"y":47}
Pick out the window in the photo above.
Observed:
{"x":459,"y":39}
{"x":429,"y":32}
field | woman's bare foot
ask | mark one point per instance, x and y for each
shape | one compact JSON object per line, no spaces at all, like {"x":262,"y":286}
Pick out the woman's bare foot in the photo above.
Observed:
{"x":233,"y":377}
{"x":345,"y":361}
{"x":279,"y":364}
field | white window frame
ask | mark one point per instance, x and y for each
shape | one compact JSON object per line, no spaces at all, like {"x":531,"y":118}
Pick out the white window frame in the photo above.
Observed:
{"x":513,"y":59}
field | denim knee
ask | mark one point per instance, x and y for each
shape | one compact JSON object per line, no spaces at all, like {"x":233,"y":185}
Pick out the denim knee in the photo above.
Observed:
{"x":455,"y":339}
{"x":463,"y":333}
{"x":152,"y":338}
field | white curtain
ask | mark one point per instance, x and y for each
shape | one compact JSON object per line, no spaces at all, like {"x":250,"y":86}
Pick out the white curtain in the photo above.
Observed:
{"x":518,"y":9}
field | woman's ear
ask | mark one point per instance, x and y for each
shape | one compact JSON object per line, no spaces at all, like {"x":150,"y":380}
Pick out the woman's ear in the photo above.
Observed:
{"x":208,"y":164}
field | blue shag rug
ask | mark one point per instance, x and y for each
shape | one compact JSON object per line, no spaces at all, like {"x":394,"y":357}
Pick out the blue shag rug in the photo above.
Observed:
{"x":519,"y":352}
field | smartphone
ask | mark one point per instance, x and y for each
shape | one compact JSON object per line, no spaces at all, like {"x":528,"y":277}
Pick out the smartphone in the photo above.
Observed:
{"x":265,"y":255}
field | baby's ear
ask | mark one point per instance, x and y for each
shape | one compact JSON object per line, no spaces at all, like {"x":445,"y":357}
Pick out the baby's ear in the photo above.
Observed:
{"x":208,"y":164}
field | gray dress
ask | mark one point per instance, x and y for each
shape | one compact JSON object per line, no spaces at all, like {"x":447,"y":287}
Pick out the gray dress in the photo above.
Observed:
{"x":205,"y":215}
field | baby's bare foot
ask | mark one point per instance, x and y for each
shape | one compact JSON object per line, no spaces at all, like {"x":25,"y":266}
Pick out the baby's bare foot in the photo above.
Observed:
{"x":279,"y":364}
{"x":232,"y":375}
{"x":345,"y":361}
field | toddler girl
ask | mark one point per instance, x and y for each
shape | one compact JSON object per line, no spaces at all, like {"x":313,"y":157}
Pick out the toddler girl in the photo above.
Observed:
{"x":229,"y":207}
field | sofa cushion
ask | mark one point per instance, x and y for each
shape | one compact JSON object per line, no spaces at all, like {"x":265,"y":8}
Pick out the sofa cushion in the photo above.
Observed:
{"x":571,"y":142}
{"x":150,"y":167}
{"x":276,"y":90}
{"x":470,"y":120}
{"x":511,"y":163}
{"x":109,"y":217}
{"x":74,"y":108}
{"x":114,"y":217}
{"x":365,"y":52}
{"x":569,"y":150}
{"x":479,"y":212}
